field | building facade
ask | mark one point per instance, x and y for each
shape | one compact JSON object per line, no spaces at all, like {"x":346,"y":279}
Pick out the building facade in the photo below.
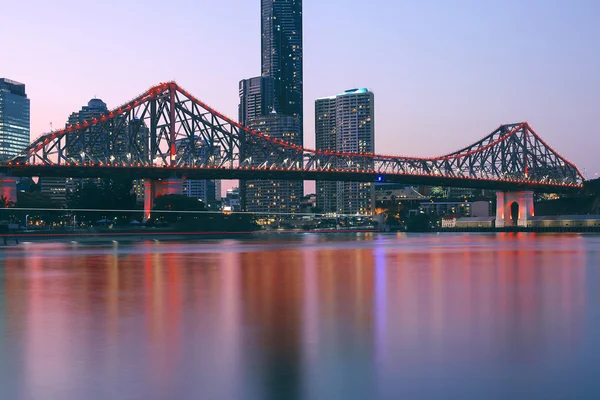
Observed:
{"x":281,"y":44}
{"x":14,"y":118}
{"x":346,"y":123}
{"x":256,"y":98}
{"x":89,"y":145}
{"x":269,"y":196}
{"x":325,"y":112}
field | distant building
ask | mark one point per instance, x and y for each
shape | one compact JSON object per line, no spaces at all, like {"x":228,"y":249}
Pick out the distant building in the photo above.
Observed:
{"x":256,"y":98}
{"x":200,"y":154}
{"x":346,"y":123}
{"x":91,"y":144}
{"x":14,"y":118}
{"x":457,"y":208}
{"x":232,"y":199}
{"x":55,"y":188}
{"x":268,"y":196}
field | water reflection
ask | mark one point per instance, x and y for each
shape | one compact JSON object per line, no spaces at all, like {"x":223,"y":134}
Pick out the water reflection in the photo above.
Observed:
{"x":490,"y":316}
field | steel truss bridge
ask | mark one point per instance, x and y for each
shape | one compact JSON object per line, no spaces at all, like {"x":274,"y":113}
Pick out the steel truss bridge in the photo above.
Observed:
{"x":168,"y":133}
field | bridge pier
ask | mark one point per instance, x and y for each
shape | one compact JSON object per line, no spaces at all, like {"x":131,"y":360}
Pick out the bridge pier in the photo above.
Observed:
{"x":8,"y":188}
{"x":154,"y":188}
{"x":504,"y":203}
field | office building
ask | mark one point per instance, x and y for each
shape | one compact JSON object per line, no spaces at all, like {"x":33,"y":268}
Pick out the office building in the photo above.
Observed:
{"x":256,"y":98}
{"x":14,"y":118}
{"x":90,"y":144}
{"x":55,"y":189}
{"x":345,"y":123}
{"x":278,"y":196}
{"x":281,"y":44}
{"x":231,"y":202}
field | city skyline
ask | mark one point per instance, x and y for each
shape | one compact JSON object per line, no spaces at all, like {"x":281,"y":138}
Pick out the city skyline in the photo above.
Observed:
{"x":454,"y":89}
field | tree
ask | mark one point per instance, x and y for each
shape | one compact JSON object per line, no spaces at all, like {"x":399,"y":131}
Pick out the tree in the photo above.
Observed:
{"x":420,"y":223}
{"x":36,"y":203}
{"x":177,"y":202}
{"x":108,"y":194}
{"x":5,"y":202}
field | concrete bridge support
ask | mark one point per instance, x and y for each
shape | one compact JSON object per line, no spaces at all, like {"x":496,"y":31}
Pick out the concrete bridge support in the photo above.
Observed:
{"x":154,"y":188}
{"x":8,"y":188}
{"x":504,"y":205}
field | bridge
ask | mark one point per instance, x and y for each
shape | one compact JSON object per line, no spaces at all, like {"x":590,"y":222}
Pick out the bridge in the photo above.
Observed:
{"x":166,"y":134}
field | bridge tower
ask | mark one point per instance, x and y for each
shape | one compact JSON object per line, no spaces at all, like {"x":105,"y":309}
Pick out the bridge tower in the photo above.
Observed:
{"x":8,"y":188}
{"x":154,"y":188}
{"x":504,"y":208}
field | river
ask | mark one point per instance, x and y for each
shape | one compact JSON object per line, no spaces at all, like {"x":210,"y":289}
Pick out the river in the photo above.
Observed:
{"x":307,"y":316}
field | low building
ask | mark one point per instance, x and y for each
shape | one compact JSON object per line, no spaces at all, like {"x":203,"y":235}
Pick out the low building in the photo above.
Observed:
{"x":564,"y":221}
{"x":55,"y":188}
{"x":475,"y":222}
{"x":448,"y":222}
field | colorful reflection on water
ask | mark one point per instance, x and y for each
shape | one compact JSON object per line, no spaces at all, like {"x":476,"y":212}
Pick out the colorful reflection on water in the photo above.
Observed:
{"x":303,"y":317}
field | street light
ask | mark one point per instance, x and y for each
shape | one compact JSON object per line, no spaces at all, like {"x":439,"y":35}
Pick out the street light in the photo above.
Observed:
{"x":26,"y":221}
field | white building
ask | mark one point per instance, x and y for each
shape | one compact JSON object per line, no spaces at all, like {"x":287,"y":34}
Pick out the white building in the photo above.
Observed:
{"x":346,"y":123}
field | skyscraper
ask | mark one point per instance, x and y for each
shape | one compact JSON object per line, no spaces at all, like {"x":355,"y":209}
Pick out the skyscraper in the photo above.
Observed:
{"x":345,"y":123}
{"x":84,"y":146}
{"x":256,"y":98}
{"x":281,"y":28}
{"x":14,"y":118}
{"x":269,"y":196}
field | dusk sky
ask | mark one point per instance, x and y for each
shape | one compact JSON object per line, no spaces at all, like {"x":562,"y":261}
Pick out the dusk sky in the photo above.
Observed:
{"x":444,"y":73}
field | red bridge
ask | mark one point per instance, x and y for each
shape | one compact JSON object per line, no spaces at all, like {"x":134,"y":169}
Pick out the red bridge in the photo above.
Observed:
{"x":166,"y":134}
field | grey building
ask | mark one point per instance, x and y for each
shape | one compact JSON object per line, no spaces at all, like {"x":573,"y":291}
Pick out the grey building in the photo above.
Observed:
{"x":281,"y":43}
{"x":256,"y":98}
{"x":346,"y":123}
{"x":82,"y":146}
{"x":274,"y":196}
{"x":325,"y":140}
{"x":14,"y":118}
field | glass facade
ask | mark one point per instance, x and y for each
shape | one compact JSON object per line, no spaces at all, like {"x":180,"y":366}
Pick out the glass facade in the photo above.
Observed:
{"x":281,"y":42}
{"x":14,"y":119}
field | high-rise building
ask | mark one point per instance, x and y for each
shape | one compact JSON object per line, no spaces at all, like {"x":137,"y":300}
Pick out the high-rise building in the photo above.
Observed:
{"x":345,"y":123}
{"x":256,"y":98}
{"x":281,"y":28}
{"x":14,"y":118}
{"x":325,"y":140}
{"x":262,"y":196}
{"x":91,"y":145}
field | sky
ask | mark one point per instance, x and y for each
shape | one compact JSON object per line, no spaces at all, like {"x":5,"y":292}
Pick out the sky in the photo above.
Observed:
{"x":444,"y":73}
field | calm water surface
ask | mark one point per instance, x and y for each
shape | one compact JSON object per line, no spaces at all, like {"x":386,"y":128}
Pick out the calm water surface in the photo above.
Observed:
{"x":303,"y":317}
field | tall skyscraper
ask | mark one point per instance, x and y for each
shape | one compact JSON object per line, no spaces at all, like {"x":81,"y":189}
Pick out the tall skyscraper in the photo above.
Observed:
{"x":268,"y":196}
{"x":14,"y":118}
{"x":345,"y":123}
{"x":281,"y":43}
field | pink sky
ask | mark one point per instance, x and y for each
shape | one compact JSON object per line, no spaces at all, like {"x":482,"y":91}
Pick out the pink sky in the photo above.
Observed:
{"x":444,"y":75}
